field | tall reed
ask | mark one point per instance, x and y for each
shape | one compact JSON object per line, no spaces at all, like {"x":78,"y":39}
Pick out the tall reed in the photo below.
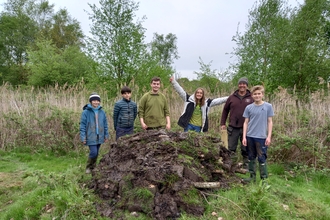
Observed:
{"x":49,"y":118}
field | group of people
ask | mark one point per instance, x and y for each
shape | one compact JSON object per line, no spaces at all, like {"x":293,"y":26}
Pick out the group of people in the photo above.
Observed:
{"x":250,"y":120}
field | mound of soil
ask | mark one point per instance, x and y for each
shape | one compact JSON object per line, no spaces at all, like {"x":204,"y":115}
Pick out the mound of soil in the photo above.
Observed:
{"x":159,"y":173}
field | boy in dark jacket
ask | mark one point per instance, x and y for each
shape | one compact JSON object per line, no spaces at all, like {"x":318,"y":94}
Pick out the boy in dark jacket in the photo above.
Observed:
{"x":124,"y":114}
{"x":93,"y":129}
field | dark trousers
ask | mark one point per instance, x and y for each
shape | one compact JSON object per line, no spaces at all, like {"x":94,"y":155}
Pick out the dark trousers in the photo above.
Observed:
{"x":256,"y":148}
{"x":235,"y":135}
{"x":123,"y":131}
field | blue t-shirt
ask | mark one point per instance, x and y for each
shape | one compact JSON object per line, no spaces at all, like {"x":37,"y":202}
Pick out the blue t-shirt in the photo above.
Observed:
{"x":258,"y":116}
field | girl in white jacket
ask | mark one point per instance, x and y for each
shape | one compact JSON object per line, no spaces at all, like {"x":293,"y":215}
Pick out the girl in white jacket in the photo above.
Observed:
{"x":196,"y":108}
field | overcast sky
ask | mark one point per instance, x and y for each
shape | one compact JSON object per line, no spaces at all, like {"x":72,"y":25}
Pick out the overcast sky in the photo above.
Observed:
{"x":204,"y":28}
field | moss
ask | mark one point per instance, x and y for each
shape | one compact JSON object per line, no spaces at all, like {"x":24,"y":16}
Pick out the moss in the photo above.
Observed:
{"x":191,"y":196}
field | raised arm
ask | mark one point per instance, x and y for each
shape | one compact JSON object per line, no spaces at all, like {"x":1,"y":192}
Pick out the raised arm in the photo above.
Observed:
{"x":179,"y":89}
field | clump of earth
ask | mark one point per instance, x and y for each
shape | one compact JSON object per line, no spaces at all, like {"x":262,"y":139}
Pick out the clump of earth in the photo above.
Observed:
{"x":162,"y":174}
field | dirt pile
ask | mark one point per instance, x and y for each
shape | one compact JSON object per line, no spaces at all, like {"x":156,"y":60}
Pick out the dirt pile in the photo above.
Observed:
{"x":158,"y":172}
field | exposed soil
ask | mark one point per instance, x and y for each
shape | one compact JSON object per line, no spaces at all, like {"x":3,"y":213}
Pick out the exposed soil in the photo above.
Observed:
{"x":154,"y":172}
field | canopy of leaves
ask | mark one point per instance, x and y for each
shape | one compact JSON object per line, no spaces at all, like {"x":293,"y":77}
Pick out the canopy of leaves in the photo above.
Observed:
{"x":21,"y":24}
{"x":285,"y":48}
{"x":50,"y":65}
{"x":117,"y":45}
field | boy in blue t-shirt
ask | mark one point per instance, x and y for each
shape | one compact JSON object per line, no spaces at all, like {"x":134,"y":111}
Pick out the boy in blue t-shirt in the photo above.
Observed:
{"x":257,"y":132}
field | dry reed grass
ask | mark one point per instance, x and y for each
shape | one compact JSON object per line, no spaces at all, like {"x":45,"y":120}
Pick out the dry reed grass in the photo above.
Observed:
{"x":50,"y":118}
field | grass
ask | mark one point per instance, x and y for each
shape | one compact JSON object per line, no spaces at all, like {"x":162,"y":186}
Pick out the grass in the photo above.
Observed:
{"x":48,"y":186}
{"x":44,"y":186}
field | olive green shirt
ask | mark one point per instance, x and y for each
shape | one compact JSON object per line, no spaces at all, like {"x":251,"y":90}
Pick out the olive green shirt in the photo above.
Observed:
{"x":196,"y":118}
{"x":153,"y":108}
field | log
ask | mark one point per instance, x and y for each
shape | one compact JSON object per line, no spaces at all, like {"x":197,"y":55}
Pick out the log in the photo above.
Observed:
{"x":206,"y":185}
{"x":241,"y":170}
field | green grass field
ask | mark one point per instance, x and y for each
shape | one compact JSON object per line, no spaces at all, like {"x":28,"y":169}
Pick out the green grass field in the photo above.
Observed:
{"x":47,"y":186}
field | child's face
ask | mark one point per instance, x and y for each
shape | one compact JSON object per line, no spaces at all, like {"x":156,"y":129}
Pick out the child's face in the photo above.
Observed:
{"x":199,"y":94}
{"x":155,"y":85}
{"x":257,"y":95}
{"x":126,"y":95}
{"x":95,"y":103}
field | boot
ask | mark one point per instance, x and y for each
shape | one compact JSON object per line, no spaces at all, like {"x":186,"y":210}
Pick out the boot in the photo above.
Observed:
{"x":263,"y":172}
{"x":245,"y":162}
{"x":90,"y":165}
{"x":252,"y":171}
{"x":93,"y":163}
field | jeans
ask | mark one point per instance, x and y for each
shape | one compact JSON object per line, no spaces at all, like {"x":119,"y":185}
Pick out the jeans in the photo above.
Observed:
{"x":123,"y":131}
{"x":191,"y":127}
{"x":256,"y":148}
{"x":94,"y":150}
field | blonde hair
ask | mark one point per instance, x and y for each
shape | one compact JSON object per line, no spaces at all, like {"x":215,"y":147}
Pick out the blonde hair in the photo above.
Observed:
{"x":201,"y":101}
{"x":258,"y":87}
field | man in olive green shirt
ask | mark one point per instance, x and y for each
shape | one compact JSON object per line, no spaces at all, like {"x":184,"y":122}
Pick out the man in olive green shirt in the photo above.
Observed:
{"x":153,"y":108}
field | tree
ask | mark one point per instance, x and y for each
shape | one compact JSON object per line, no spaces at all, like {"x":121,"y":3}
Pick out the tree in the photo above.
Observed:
{"x":306,"y":62}
{"x":50,"y":65}
{"x":207,"y":76}
{"x":117,"y":42}
{"x":17,"y":31}
{"x":258,"y":47}
{"x":287,"y":48}
{"x":63,"y":30}
{"x":165,"y":49}
{"x":21,"y":24}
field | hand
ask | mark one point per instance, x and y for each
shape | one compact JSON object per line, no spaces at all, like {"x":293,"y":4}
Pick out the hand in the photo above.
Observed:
{"x":144,"y":126}
{"x":168,"y":127}
{"x":223,"y":127}
{"x":268,"y":141}
{"x":171,"y":79}
{"x":244,"y":142}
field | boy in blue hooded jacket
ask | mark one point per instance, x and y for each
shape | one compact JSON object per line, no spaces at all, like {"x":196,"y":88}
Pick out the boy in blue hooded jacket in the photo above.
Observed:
{"x":93,"y":129}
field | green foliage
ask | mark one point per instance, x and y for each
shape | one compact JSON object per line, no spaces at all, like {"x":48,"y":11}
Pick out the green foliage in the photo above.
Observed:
{"x":21,"y":24}
{"x":117,"y":45}
{"x":165,"y":49}
{"x":50,"y":65}
{"x":56,"y":131}
{"x":63,"y":30}
{"x":285,"y":47}
{"x":120,"y":51}
{"x":17,"y":32}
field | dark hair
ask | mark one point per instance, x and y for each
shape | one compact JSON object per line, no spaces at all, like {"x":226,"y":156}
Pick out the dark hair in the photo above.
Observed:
{"x":156,"y":79}
{"x":125,"y":89}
